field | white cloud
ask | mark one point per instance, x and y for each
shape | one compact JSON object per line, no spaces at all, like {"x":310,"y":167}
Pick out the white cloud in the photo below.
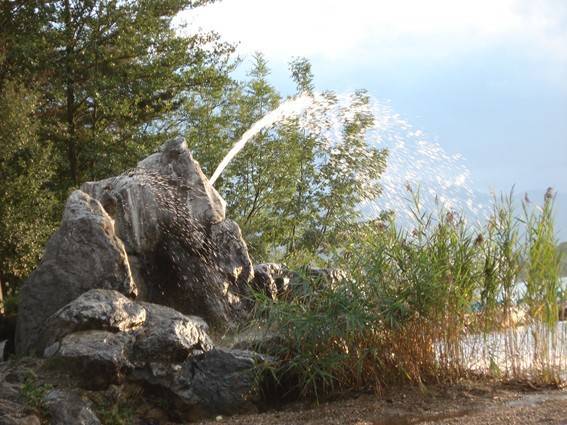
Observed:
{"x":337,"y":29}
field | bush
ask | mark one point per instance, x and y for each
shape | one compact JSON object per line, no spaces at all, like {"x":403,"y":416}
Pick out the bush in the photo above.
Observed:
{"x":432,"y":303}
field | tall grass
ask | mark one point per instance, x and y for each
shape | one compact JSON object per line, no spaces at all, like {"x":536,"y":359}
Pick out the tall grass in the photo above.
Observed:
{"x":434,"y":302}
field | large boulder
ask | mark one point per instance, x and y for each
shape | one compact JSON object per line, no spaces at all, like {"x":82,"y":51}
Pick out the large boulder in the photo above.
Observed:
{"x":102,"y":335}
{"x":182,"y":251}
{"x":168,"y":351}
{"x":157,"y":232}
{"x":108,"y":334}
{"x":217,"y":382}
{"x":83,"y":254}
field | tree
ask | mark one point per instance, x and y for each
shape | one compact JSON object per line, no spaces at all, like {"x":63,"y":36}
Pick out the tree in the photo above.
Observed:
{"x":291,"y":189}
{"x":87,"y":88}
{"x":25,"y":206}
{"x":113,"y":75}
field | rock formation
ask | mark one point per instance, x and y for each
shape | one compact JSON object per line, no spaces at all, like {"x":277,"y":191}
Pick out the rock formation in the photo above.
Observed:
{"x":161,"y":348}
{"x":128,"y":285}
{"x":158,"y":232}
{"x":182,"y":250}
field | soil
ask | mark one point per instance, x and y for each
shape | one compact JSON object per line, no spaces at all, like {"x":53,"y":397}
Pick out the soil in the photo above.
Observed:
{"x":471,"y":403}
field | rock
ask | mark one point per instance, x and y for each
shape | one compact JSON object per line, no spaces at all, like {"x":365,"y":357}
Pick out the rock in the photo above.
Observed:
{"x":83,"y":254}
{"x":66,"y":408}
{"x":97,"y":309}
{"x":96,"y":358}
{"x":276,"y":280}
{"x":175,"y":160}
{"x":169,"y":336}
{"x":216,"y":382}
{"x":327,"y":276}
{"x":108,"y":335}
{"x":231,"y":253}
{"x":13,"y":411}
{"x":181,"y":250}
{"x":271,"y":278}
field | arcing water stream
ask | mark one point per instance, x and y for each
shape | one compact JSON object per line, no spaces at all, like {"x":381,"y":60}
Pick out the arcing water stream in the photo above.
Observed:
{"x":287,"y":109}
{"x":413,"y":161}
{"x":444,"y":182}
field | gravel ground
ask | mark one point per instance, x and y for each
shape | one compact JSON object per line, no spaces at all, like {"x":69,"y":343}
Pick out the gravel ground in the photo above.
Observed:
{"x":466,"y":404}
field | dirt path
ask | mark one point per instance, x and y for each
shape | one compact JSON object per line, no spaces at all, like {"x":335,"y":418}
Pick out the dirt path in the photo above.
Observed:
{"x":467,"y":404}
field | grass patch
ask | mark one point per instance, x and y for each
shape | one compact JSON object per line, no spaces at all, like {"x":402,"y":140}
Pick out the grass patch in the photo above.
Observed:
{"x":34,"y":392}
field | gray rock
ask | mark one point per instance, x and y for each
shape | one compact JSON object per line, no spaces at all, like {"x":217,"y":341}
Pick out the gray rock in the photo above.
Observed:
{"x":83,"y":254}
{"x":175,"y":160}
{"x":108,"y":335}
{"x":169,"y":336}
{"x":97,"y":309}
{"x":328,"y":276}
{"x":271,"y":278}
{"x":216,"y":382}
{"x":96,"y":358}
{"x":66,"y":408}
{"x":276,"y":280}
{"x":181,"y":250}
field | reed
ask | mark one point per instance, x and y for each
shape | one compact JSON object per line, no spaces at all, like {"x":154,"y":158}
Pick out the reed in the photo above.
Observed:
{"x":433,"y":302}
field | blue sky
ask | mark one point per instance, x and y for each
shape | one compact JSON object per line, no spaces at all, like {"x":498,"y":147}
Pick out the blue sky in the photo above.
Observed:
{"x":487,"y":79}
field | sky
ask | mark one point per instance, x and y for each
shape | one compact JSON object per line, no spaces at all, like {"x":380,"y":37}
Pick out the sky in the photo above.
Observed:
{"x":483,"y":78}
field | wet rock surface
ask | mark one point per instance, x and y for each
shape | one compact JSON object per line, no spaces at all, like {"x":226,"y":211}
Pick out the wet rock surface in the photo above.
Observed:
{"x":140,"y":267}
{"x":169,"y":336}
{"x":182,"y":250}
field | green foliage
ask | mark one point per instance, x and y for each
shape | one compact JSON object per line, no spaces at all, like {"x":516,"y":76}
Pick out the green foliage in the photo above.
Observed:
{"x":34,"y":393}
{"x":116,"y":414}
{"x":411,"y":299}
{"x":543,"y":263}
{"x":117,"y":407}
{"x":562,"y":252}
{"x":25,"y":210}
{"x":112,"y":75}
{"x":87,"y":89}
{"x":290,"y":190}
{"x":100,"y":84}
